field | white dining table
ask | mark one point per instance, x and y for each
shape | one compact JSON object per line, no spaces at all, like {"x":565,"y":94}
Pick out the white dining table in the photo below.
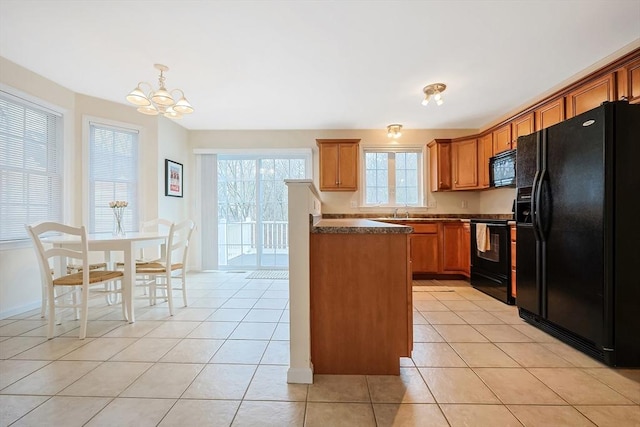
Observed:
{"x":127,"y":244}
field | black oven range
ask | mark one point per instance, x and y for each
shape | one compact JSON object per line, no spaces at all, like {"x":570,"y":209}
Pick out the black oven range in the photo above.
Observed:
{"x":491,"y":258}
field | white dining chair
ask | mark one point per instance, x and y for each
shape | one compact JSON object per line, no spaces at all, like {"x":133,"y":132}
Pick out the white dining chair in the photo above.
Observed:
{"x":164,"y":275}
{"x":149,"y":255}
{"x":70,"y":290}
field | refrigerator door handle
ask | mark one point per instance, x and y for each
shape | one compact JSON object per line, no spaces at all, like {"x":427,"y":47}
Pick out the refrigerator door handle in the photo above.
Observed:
{"x":534,"y":205}
{"x":541,"y":209}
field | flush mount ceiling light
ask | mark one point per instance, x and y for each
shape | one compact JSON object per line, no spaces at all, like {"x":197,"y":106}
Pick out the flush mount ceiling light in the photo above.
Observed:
{"x":434,"y":90}
{"x":394,"y":131}
{"x":160,"y":101}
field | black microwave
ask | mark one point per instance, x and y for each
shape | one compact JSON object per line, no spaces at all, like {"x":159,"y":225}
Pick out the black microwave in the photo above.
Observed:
{"x":502,"y":169}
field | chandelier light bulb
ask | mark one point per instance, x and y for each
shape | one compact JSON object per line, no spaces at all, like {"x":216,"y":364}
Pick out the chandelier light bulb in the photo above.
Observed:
{"x":425,"y":101}
{"x":172,"y":113}
{"x":440,"y":102}
{"x":160,"y":101}
{"x":183,"y":106}
{"x":149,"y":110}
{"x":137,"y":97}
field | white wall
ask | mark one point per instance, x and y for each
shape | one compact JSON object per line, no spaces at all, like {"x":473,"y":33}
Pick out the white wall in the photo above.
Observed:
{"x":173,"y":144}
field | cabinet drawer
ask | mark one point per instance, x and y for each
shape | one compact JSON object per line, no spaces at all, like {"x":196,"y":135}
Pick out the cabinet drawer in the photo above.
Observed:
{"x":424,"y":228}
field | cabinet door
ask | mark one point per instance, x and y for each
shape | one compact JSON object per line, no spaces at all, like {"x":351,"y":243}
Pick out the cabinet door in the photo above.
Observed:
{"x":453,"y":258}
{"x":485,"y":151}
{"x":338,"y":164}
{"x":629,"y":82}
{"x":348,"y":167}
{"x":328,"y":167}
{"x":520,"y":127}
{"x":464,"y":164}
{"x":590,"y":95}
{"x":502,"y":139}
{"x":424,"y":253}
{"x":440,"y":166}
{"x":549,"y":114}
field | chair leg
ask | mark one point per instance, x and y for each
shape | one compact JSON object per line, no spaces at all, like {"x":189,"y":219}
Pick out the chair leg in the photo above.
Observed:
{"x":184,"y":288}
{"x":52,"y":311}
{"x":43,"y":308}
{"x":84,"y":312}
{"x":169,"y":293}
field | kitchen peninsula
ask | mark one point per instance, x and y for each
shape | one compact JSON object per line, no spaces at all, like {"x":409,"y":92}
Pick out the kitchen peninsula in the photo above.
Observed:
{"x":360,"y":295}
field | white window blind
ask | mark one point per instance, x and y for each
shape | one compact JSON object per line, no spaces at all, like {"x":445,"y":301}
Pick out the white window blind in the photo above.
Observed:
{"x":393,"y":177}
{"x":113,"y":175}
{"x":30,"y":166}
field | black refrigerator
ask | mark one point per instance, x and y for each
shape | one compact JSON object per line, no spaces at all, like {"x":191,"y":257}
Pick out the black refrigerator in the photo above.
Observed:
{"x":578,"y":232}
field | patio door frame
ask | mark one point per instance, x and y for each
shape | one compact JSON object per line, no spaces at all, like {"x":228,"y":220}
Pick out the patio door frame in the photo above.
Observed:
{"x":207,"y":173}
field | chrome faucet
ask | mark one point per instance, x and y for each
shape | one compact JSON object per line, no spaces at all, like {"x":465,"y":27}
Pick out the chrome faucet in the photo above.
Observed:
{"x":406,"y":212}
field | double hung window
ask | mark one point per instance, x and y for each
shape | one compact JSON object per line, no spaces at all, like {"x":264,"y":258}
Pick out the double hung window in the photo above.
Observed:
{"x":30,"y":166}
{"x":113,"y":175}
{"x":393,"y":177}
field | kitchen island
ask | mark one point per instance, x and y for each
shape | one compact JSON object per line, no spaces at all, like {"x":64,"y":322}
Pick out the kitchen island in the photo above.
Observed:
{"x":360,"y":296}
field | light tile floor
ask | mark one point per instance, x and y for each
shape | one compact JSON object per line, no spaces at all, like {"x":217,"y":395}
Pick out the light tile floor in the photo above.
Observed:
{"x":223,"y":361}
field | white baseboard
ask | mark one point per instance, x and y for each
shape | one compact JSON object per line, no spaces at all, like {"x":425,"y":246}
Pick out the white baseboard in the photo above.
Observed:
{"x":300,"y":375}
{"x":19,"y":310}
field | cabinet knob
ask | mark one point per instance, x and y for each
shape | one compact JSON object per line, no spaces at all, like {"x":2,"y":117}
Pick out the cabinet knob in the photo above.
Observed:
{"x":507,"y":143}
{"x":455,"y":182}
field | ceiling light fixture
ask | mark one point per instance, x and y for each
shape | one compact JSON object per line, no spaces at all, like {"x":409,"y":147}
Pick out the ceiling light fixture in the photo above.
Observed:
{"x":434,"y":90}
{"x":160,"y":101}
{"x":394,"y":131}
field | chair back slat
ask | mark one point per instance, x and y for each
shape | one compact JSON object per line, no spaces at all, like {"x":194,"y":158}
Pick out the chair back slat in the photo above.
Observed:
{"x":178,"y":244}
{"x":48,"y":256}
{"x":157,"y":224}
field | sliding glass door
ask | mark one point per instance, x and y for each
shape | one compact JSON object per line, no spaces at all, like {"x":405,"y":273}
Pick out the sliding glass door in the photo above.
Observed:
{"x":252,"y":209}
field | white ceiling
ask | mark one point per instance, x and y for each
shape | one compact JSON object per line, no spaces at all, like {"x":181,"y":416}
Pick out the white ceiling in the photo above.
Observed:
{"x":319,"y":64}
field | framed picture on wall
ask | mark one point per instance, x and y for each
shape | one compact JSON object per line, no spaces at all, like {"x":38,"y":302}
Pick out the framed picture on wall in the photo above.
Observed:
{"x":173,"y":178}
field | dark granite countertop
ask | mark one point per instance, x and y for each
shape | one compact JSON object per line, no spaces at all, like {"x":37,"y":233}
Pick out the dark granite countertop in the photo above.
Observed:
{"x":358,"y":226}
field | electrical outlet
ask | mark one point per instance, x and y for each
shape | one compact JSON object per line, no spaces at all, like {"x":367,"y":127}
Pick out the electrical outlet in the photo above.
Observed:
{"x":432,"y":204}
{"x":463,"y":204}
{"x":354,"y":203}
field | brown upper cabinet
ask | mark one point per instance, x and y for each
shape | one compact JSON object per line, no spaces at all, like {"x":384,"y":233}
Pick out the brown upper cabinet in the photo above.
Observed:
{"x":550,"y":113}
{"x":590,"y":95}
{"x":338,"y":164}
{"x":628,"y":81}
{"x":521,"y":126}
{"x":502,"y":139}
{"x":450,"y":161}
{"x":485,"y":151}
{"x":464,"y":164}
{"x":439,"y":164}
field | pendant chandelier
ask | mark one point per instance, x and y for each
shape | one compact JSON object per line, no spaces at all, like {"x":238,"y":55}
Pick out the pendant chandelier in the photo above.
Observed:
{"x":160,"y":101}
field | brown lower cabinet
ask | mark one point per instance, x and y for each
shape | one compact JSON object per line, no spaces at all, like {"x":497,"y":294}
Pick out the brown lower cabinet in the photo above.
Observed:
{"x":440,"y":248}
{"x":361,"y":303}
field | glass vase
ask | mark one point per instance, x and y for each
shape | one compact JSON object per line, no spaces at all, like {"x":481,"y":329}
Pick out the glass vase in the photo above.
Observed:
{"x":118,"y":225}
